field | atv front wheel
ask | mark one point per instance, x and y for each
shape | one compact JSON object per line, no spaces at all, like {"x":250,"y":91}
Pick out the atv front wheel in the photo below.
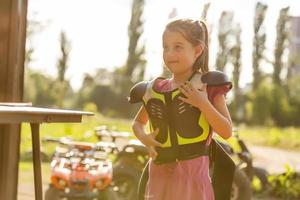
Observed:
{"x":241,"y":187}
{"x":125,"y":182}
{"x":108,"y":194}
{"x":260,"y":179}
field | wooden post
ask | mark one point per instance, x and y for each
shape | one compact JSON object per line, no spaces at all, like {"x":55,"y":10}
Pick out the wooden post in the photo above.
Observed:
{"x":36,"y":156}
{"x":13,"y":16}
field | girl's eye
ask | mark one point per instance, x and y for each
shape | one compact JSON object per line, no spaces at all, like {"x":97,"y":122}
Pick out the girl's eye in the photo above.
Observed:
{"x":178,"y":47}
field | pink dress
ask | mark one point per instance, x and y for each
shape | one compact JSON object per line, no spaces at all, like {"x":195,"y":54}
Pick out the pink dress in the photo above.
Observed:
{"x":182,"y":180}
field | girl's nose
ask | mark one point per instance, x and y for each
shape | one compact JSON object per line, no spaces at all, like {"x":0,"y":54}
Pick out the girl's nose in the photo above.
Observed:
{"x":169,"y":52}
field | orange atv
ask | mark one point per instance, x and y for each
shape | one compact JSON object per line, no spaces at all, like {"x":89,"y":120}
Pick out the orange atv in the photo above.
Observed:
{"x":79,"y":170}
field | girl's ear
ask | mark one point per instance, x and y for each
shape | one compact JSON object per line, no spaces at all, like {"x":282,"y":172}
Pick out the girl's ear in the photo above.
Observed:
{"x":199,"y":49}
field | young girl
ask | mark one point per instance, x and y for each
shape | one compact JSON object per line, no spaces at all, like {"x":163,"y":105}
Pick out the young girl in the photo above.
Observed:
{"x":182,"y":111}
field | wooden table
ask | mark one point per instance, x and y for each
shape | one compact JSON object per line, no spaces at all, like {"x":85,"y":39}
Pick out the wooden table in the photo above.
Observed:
{"x":14,"y":113}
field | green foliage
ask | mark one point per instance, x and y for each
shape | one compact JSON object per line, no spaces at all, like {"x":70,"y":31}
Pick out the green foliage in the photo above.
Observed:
{"x":77,"y":131}
{"x":90,"y":107}
{"x":104,"y":97}
{"x":261,"y":104}
{"x":109,"y":92}
{"x":286,"y":185}
{"x":286,"y":138}
{"x":270,"y":104}
{"x":294,"y":89}
{"x":39,"y":89}
{"x":281,"y":110}
{"x":293,"y":94}
{"x":43,"y":90}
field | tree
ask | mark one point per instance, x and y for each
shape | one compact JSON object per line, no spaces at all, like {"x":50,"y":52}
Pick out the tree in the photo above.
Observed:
{"x":173,"y":13}
{"x":280,"y":45}
{"x":135,"y":64}
{"x":62,"y":66}
{"x":258,"y":43}
{"x":262,"y":103}
{"x":84,"y":93}
{"x":225,"y":26}
{"x":236,"y":61}
{"x":40,"y":89}
{"x":204,"y":11}
{"x":33,"y":27}
{"x":204,"y":18}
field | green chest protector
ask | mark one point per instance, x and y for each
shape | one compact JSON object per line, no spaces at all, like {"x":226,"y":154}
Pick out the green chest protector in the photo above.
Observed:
{"x":183,"y":129}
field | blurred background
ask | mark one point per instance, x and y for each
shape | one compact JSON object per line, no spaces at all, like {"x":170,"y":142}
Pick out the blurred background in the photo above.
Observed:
{"x":88,"y":54}
{"x":86,"y":49}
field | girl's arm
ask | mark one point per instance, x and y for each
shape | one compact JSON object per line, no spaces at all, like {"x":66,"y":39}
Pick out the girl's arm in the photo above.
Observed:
{"x":138,"y":128}
{"x":216,"y":114}
{"x":139,"y":123}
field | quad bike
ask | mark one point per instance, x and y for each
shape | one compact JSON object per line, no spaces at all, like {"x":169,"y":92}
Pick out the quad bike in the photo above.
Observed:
{"x":130,"y":158}
{"x":79,"y":170}
{"x":245,"y":173}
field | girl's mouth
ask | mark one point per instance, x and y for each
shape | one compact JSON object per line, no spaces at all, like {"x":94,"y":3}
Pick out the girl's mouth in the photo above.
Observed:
{"x":172,"y":62}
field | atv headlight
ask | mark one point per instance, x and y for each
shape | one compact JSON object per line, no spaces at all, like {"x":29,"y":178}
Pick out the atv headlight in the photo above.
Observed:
{"x":102,"y":183}
{"x":99,"y":184}
{"x":62,"y":183}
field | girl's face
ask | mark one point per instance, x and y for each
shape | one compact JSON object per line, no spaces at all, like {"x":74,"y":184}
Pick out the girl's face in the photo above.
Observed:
{"x":178,"y":53}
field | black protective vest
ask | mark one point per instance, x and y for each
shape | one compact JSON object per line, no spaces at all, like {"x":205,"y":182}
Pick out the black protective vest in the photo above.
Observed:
{"x":183,"y":129}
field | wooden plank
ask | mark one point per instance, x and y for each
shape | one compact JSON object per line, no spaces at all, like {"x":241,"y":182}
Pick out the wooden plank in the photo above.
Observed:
{"x":37,"y":171}
{"x":36,"y":110}
{"x":4,"y":38}
{"x":16,"y":118}
{"x":9,"y":159}
{"x":19,"y":114}
{"x":12,"y":49}
{"x":14,"y":104}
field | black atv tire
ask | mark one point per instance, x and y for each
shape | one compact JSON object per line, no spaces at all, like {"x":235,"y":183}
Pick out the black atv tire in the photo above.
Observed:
{"x":133,"y":155}
{"x":108,"y":194}
{"x":241,"y":187}
{"x":52,"y":193}
{"x":125,"y":181}
{"x":262,"y":176}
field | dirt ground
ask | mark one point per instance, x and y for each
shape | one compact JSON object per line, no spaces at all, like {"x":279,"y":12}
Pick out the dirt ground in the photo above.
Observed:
{"x":274,"y":160}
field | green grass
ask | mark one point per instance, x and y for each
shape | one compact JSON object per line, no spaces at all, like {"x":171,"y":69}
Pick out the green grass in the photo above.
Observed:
{"x":77,"y":131}
{"x":286,"y":138}
{"x":26,"y":172}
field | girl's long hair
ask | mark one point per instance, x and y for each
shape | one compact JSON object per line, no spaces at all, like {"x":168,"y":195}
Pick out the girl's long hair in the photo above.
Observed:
{"x":196,"y":33}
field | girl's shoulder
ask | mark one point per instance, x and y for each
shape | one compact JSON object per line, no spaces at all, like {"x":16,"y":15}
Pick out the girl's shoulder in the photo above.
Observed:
{"x":217,"y":83}
{"x":215,"y":78}
{"x":144,"y":87}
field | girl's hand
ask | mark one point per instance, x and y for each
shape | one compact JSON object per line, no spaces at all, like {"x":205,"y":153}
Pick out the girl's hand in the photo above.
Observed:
{"x":149,"y":141}
{"x":195,"y":97}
